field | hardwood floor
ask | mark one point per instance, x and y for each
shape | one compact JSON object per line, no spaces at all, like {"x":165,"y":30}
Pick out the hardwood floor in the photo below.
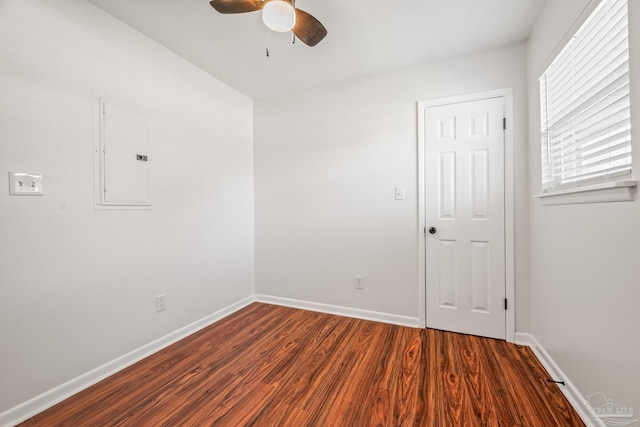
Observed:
{"x":274,"y":366}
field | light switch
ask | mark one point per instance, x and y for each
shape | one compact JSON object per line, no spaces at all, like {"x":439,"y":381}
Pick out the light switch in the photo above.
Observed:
{"x":400,"y":193}
{"x":25,"y":184}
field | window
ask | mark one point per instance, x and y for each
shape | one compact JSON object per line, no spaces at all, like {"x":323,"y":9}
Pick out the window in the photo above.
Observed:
{"x":584,"y":104}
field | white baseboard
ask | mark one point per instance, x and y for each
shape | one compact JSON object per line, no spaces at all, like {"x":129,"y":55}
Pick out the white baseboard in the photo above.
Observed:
{"x":413,"y":322}
{"x":573,"y":395}
{"x":46,"y":400}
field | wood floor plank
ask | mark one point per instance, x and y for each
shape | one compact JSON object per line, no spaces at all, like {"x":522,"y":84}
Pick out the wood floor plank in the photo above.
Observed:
{"x":505,"y":393}
{"x":151,"y":394}
{"x":371,"y":345}
{"x":407,"y":389}
{"x":269,"y":366}
{"x":430,"y":374}
{"x":482,"y":402}
{"x":314,"y":378}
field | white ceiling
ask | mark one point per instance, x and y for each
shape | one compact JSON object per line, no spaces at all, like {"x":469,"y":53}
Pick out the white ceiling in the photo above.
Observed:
{"x":364,"y":37}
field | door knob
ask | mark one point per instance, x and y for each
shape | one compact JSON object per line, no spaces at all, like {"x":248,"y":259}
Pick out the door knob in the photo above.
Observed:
{"x":432,"y":230}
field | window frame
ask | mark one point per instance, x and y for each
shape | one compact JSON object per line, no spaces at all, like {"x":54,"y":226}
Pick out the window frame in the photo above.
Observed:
{"x":620,"y":183}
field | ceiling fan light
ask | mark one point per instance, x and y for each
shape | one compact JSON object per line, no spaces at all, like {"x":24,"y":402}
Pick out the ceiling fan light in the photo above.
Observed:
{"x":279,"y":15}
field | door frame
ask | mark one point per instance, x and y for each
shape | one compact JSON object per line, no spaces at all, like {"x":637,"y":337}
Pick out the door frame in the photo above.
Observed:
{"x":509,"y":201}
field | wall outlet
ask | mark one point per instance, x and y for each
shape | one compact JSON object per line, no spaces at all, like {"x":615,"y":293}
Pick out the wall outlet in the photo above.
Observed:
{"x":359,"y":282}
{"x":161,"y":303}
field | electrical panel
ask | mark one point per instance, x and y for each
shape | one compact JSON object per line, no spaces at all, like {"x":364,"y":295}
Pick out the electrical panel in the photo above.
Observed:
{"x":125,"y":156}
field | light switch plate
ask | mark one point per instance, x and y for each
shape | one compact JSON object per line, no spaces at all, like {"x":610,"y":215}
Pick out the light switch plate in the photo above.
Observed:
{"x":400,"y":192}
{"x":25,"y":184}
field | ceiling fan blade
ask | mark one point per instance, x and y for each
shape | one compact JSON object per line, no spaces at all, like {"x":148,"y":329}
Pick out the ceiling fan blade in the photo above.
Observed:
{"x":236,"y":6}
{"x":308,"y":29}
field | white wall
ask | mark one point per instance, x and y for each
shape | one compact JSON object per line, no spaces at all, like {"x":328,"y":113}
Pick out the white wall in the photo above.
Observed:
{"x":78,"y":286}
{"x":585,"y":274}
{"x":326,"y":163}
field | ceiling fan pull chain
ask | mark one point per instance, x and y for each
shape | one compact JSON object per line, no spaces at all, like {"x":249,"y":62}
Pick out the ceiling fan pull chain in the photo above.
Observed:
{"x":293,"y":35}
{"x":267,"y":42}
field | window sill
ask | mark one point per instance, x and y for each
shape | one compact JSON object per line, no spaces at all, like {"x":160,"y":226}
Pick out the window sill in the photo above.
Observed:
{"x":618,"y":191}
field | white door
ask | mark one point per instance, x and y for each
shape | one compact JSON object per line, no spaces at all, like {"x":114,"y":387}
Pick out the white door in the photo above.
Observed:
{"x":465,"y":218}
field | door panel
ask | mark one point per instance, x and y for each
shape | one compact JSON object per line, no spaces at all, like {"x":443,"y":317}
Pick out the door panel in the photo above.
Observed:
{"x":448,"y":275}
{"x":447,"y":193}
{"x":480,"y":279}
{"x":479,"y":184}
{"x":464,"y":173}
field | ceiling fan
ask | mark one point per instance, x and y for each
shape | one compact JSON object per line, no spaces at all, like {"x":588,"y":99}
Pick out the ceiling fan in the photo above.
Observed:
{"x":278,"y":15}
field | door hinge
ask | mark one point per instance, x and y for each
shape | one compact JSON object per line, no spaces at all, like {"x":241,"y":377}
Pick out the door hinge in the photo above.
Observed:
{"x":425,"y":230}
{"x":505,"y":304}
{"x":504,"y":123}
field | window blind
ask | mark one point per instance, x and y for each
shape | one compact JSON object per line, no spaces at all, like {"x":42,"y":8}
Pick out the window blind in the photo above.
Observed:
{"x":584,"y":104}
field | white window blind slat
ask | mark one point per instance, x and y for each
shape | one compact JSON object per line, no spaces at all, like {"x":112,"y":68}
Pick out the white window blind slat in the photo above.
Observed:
{"x":588,"y":128}
{"x":585,"y":58}
{"x":616,"y":80}
{"x":614,"y":137}
{"x":611,"y":20}
{"x":595,"y":158}
{"x":585,"y":72}
{"x":616,"y":103}
{"x":584,"y":104}
{"x":605,"y":137}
